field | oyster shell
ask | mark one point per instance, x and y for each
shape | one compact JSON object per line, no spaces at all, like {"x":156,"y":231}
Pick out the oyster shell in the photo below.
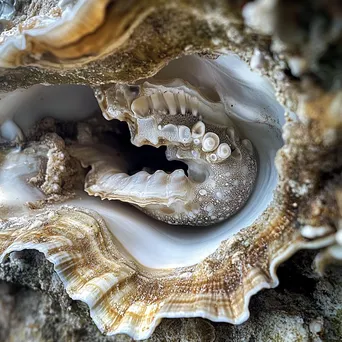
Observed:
{"x":102,"y":251}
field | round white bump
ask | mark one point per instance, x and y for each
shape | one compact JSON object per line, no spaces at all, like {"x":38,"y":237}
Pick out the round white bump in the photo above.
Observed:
{"x":202,"y":192}
{"x":219,"y":195}
{"x":210,"y":207}
{"x":198,"y":130}
{"x":55,"y":187}
{"x":210,"y":142}
{"x":197,"y":141}
{"x":213,"y":157}
{"x":224,"y":151}
{"x":184,"y":134}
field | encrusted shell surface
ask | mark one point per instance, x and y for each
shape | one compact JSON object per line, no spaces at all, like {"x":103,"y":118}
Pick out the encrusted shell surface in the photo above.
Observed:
{"x":123,"y":295}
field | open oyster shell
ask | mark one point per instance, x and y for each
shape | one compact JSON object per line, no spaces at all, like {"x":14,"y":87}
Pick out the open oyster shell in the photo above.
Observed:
{"x":99,"y":259}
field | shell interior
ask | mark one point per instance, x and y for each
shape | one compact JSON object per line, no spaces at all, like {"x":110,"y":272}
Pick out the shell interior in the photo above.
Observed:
{"x":250,"y":103}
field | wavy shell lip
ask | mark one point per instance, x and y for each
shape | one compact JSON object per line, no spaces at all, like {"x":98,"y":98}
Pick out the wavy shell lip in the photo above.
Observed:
{"x":136,"y":319}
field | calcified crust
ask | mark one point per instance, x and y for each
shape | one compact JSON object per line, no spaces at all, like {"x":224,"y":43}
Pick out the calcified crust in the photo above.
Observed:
{"x":314,"y":143}
{"x":326,"y":236}
{"x":195,"y":131}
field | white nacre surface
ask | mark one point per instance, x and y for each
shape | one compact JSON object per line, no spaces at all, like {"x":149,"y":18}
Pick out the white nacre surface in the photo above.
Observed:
{"x":249,"y":101}
{"x":64,"y":102}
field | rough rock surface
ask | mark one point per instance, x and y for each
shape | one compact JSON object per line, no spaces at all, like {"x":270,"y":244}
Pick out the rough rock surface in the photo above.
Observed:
{"x":305,"y":307}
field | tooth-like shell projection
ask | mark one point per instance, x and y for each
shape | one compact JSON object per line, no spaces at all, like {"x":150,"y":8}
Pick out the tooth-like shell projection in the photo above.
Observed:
{"x":130,"y":269}
{"x":219,"y":182}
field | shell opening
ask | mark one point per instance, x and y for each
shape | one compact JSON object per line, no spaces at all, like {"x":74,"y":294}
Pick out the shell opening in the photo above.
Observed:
{"x":174,"y":246}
